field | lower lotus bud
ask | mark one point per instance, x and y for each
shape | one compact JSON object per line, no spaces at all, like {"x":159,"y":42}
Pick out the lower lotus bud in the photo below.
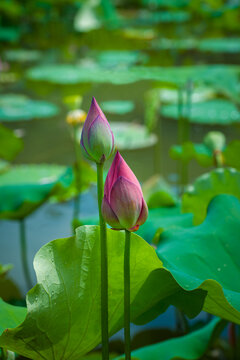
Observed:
{"x":123,"y":206}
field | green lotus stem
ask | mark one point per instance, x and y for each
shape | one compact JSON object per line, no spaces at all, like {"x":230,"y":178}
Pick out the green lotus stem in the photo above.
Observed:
{"x":189,"y":108}
{"x":4,"y":354}
{"x":24,"y":253}
{"x":183,"y":167}
{"x":218,"y":159}
{"x":181,"y":321}
{"x":77,"y":199}
{"x":184,"y":129}
{"x":180,"y":115}
{"x":104,"y":267}
{"x":233,"y":340}
{"x":127,"y":335}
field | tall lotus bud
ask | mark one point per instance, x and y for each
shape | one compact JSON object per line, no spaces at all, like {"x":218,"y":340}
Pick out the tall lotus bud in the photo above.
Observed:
{"x":97,"y":141}
{"x":123,"y":205}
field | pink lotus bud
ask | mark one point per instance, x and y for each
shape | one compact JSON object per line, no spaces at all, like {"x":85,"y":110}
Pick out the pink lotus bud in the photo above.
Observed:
{"x":97,"y":141}
{"x":123,"y":205}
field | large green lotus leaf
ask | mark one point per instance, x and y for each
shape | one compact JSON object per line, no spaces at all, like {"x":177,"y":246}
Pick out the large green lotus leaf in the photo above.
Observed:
{"x":219,"y":181}
{"x":10,"y":316}
{"x":120,"y":107}
{"x":73,"y":74}
{"x":23,"y":188}
{"x":191,"y":346}
{"x":161,"y":219}
{"x":112,"y":58}
{"x":22,"y":55}
{"x":63,"y":319}
{"x":207,"y":257}
{"x":231,"y":154}
{"x":227,"y":45}
{"x":14,"y":107}
{"x":222,"y":112}
{"x":11,"y":145}
{"x":189,"y":151}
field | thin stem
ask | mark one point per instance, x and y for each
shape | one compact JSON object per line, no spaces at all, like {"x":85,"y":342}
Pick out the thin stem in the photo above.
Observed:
{"x":77,"y":199}
{"x":218,"y":158}
{"x":3,"y":354}
{"x":104,"y":267}
{"x":233,"y":340}
{"x":180,"y":116}
{"x":24,"y":253}
{"x":127,"y":336}
{"x":181,"y":322}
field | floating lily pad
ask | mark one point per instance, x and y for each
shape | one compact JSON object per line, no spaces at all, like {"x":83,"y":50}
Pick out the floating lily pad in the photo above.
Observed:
{"x":198,"y":274}
{"x":212,"y":152}
{"x":73,"y":74}
{"x":189,"y":151}
{"x":218,"y":45}
{"x":231,"y":154}
{"x":130,"y":136}
{"x":199,"y":94}
{"x":119,"y":107}
{"x":166,"y":3}
{"x":151,"y":18}
{"x":218,"y":181}
{"x":113,"y":58}
{"x":23,"y":188}
{"x":211,"y":112}
{"x":191,"y":346}
{"x":14,"y":107}
{"x":22,"y":55}
{"x":158,"y":193}
{"x":7,"y":77}
{"x":139,"y":34}
{"x":161,"y":219}
{"x":180,"y":44}
{"x":9,"y":34}
{"x":11,"y":145}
